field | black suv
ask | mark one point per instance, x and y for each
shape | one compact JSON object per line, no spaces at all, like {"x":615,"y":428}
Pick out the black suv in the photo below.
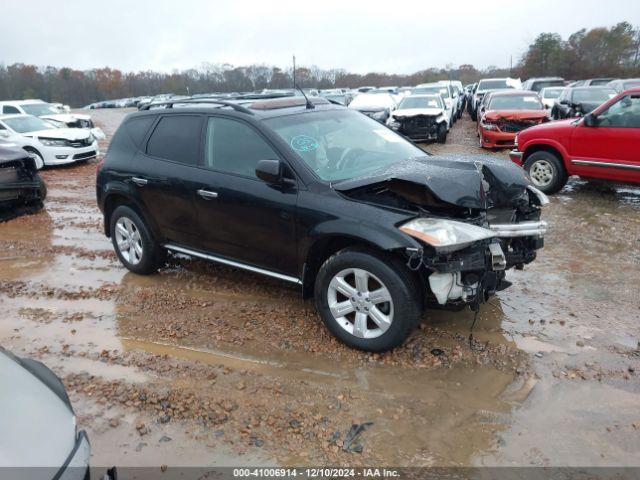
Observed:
{"x":316,"y":194}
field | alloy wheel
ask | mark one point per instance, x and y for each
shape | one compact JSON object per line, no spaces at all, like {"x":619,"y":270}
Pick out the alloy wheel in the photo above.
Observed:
{"x":129,"y":240}
{"x":360,"y":303}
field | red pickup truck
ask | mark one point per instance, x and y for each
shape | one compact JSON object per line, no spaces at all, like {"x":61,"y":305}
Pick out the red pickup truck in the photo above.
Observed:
{"x":604,"y":144}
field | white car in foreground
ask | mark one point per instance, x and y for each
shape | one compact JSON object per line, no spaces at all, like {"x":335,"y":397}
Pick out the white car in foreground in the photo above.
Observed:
{"x":55,"y":113}
{"x":49,"y":144}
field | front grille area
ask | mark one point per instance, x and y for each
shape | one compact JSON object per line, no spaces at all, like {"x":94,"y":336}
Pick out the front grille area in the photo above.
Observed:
{"x":8,"y":175}
{"x":421,"y":126}
{"x":513,"y":126}
{"x":81,"y":143}
{"x":80,"y":156}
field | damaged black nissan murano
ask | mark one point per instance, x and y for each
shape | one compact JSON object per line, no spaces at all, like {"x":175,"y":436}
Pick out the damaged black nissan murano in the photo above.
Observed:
{"x":313,"y":193}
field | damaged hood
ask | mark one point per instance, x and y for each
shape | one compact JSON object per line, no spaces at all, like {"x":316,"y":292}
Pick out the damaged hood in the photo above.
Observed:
{"x":495,"y":115}
{"x":66,"y":117}
{"x":72,"y":134}
{"x":414,"y":112}
{"x":468,"y":181}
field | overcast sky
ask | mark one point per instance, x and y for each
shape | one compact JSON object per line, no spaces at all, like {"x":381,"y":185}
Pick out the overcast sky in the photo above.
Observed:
{"x":360,"y":36}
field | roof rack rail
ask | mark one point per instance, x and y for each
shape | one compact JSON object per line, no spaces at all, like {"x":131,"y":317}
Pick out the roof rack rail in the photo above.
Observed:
{"x":170,"y":103}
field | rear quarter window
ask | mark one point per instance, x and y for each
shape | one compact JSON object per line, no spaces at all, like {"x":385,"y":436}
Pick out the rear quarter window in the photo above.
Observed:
{"x":176,"y":138}
{"x":138,"y":127}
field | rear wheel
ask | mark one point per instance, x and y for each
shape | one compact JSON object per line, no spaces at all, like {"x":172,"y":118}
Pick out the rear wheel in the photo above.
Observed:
{"x":367,"y":300}
{"x":133,"y":242}
{"x":546,"y":171}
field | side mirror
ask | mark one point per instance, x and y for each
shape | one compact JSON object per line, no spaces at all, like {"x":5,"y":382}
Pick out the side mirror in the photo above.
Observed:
{"x":564,"y":102}
{"x":273,"y":172}
{"x":590,"y":120}
{"x":4,"y":134}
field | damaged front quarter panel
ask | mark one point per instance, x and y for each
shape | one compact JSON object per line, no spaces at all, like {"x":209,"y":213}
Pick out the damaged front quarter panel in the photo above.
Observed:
{"x":493,"y":195}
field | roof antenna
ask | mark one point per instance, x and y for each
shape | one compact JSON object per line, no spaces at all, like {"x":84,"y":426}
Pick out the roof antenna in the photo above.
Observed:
{"x":309,"y":106}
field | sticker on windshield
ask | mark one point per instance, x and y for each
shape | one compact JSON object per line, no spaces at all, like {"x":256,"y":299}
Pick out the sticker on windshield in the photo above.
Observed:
{"x":530,"y":99}
{"x":304,"y":143}
{"x":388,"y":135}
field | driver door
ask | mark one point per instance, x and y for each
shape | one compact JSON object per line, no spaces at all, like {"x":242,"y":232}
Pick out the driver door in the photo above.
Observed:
{"x":610,"y":149}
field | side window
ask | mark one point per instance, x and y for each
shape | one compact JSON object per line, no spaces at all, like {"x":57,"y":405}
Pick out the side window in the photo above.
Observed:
{"x":177,"y":138}
{"x":10,"y":109}
{"x":625,"y":113}
{"x":234,"y":147}
{"x":137,"y":128}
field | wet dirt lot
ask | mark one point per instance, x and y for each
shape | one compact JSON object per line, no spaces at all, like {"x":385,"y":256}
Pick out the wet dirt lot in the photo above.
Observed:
{"x":205,"y":365}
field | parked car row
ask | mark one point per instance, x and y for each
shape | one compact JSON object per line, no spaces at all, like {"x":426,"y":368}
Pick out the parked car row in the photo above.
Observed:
{"x":51,"y":137}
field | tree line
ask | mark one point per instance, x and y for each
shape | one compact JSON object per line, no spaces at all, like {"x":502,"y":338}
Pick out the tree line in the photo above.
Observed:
{"x":597,"y":52}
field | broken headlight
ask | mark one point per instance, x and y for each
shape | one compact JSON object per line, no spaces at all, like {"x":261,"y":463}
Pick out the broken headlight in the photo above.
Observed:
{"x":489,"y":126}
{"x":445,"y":235}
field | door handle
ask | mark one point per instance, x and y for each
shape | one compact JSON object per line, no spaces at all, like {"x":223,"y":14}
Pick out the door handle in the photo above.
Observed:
{"x":207,"y":194}
{"x":141,"y":182}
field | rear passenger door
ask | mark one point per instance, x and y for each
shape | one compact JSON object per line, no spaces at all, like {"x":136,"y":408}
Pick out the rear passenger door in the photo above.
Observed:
{"x":165,"y":176}
{"x":242,"y":217}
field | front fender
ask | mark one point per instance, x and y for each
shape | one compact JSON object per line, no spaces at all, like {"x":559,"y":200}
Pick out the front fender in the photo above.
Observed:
{"x":547,"y":142}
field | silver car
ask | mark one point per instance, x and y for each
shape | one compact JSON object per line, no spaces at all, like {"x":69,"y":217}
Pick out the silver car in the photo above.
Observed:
{"x":39,"y":438}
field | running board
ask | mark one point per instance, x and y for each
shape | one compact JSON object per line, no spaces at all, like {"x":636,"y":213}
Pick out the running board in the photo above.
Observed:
{"x":269,"y":273}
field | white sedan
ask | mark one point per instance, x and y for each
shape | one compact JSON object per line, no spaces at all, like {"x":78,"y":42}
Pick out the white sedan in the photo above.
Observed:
{"x":50,"y":145}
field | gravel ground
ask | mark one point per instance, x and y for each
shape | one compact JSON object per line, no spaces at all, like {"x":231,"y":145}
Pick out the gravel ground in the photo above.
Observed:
{"x":205,"y":365}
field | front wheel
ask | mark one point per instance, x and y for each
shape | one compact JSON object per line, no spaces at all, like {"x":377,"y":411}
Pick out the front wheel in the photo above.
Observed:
{"x":442,"y":133}
{"x":133,"y":242}
{"x":546,"y":171}
{"x":367,"y":300}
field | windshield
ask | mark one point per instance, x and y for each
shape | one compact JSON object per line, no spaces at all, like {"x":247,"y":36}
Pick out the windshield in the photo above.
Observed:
{"x":444,"y":91}
{"x":551,"y":92}
{"x":514,"y":102}
{"x":39,"y":109}
{"x":432,"y":101}
{"x":493,"y":84}
{"x":27,"y":124}
{"x":342,"y":144}
{"x":373,"y":101}
{"x":593,"y":94}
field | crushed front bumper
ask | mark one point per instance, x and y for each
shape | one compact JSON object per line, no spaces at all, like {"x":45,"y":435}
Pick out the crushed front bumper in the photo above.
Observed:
{"x":473,"y":274}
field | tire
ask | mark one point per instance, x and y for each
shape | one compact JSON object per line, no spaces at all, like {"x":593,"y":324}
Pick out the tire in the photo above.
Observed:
{"x":43,"y":189}
{"x":474,"y":115}
{"x":442,"y":133}
{"x":400,"y":315}
{"x":149,"y":255}
{"x":546,"y":171}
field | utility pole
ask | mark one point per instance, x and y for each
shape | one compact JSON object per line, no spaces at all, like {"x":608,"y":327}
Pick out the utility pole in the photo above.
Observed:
{"x":294,"y":72}
{"x":510,"y":65}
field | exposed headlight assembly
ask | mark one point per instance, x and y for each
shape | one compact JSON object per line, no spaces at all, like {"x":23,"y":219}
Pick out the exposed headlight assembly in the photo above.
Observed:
{"x":489,"y":126}
{"x":445,"y":235}
{"x":53,"y":142}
